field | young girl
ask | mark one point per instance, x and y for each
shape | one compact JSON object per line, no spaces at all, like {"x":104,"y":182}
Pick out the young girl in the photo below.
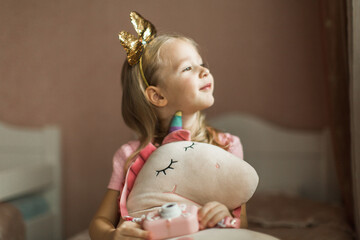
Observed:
{"x":162,"y":75}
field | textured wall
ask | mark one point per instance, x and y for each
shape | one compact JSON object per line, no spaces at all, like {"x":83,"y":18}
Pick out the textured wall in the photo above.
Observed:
{"x":60,"y":64}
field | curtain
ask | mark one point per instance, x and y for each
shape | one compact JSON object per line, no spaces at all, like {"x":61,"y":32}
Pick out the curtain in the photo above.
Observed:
{"x":336,"y":57}
{"x":354,"y":62}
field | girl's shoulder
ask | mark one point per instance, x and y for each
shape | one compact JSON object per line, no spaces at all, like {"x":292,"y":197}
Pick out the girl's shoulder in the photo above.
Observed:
{"x":234,"y":143}
{"x":126,"y":150}
{"x":228,"y":139}
{"x":119,"y":160}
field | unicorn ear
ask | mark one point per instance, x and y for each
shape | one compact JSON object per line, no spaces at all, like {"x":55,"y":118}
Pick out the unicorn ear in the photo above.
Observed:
{"x":176,"y":122}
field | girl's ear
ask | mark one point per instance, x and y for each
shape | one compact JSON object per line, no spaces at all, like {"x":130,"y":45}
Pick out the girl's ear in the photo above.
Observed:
{"x":155,"y":96}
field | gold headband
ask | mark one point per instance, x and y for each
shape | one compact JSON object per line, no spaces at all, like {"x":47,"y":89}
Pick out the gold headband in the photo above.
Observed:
{"x":134,"y":46}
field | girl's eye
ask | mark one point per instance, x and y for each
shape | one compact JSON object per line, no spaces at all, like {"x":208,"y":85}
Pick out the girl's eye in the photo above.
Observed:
{"x":187,"y":69}
{"x":168,"y":167}
{"x":191,"y":146}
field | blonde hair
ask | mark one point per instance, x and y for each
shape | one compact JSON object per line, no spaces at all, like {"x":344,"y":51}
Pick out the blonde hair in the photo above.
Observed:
{"x":139,"y":114}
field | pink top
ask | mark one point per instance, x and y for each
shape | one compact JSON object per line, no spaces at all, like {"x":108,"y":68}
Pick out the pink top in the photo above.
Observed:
{"x":118,"y":175}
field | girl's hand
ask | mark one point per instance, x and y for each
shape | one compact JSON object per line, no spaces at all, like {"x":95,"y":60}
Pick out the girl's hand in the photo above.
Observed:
{"x":129,"y":230}
{"x":212,"y":213}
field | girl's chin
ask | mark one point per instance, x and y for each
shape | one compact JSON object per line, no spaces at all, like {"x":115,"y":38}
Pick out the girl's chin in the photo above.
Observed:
{"x":207,"y":105}
{"x":211,"y":102}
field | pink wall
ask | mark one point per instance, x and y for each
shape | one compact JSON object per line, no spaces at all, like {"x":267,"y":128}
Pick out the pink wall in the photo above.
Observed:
{"x":60,"y":64}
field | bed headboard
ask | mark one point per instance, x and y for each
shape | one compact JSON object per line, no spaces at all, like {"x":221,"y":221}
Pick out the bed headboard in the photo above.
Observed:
{"x":30,"y":163}
{"x":287,"y":160}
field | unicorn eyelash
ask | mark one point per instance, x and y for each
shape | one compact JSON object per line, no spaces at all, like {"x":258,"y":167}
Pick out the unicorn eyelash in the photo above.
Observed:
{"x":168,"y":167}
{"x":191,"y":146}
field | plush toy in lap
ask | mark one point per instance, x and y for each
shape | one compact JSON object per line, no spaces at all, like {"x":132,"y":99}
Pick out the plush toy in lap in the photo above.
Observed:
{"x":186,"y":172}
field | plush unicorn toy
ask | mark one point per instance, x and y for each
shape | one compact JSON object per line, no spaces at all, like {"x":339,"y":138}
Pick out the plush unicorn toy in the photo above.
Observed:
{"x":187,"y":172}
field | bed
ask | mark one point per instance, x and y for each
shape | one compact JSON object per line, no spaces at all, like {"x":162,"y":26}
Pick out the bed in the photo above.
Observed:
{"x":297,"y":196}
{"x":30,"y":183}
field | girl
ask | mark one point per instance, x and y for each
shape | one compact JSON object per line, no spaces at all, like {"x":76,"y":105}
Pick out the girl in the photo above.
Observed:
{"x":162,"y":75}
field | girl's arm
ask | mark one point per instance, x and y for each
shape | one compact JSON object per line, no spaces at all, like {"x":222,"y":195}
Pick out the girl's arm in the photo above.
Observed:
{"x":106,"y":218}
{"x":102,"y":226}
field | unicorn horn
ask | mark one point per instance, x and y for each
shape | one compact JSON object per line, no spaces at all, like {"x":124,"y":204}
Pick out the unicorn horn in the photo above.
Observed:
{"x":176,"y":122}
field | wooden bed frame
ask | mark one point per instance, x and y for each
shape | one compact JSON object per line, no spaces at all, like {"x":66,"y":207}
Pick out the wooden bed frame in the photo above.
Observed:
{"x":30,"y":163}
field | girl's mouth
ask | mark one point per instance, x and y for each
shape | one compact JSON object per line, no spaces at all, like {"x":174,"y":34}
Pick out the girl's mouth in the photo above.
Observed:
{"x":206,"y":87}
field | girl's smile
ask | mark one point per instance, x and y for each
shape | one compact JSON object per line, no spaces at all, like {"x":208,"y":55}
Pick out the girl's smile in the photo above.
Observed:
{"x":206,"y":87}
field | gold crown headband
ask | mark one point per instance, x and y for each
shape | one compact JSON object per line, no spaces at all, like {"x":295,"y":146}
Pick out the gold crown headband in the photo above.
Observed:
{"x":134,"y":46}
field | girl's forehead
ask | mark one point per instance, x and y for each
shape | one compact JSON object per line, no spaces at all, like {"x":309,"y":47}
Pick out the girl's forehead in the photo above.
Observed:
{"x":177,"y":50}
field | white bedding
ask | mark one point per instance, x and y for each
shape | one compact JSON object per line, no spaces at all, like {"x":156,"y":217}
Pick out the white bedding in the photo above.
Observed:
{"x":228,"y":234}
{"x":208,"y":234}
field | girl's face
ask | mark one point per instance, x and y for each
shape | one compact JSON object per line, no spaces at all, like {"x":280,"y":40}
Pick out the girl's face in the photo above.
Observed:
{"x":186,"y":83}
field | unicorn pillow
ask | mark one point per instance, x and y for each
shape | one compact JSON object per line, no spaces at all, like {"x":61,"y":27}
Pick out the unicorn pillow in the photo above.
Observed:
{"x":187,"y":172}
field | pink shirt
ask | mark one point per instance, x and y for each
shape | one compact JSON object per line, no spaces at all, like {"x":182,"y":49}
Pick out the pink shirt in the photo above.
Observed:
{"x":118,"y":175}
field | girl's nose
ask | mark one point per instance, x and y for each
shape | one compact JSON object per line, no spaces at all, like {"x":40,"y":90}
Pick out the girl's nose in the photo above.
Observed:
{"x":204,"y":72}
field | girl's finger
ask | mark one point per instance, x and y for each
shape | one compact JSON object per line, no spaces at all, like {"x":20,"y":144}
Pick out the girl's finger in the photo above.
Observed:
{"x":210,"y":216}
{"x":136,"y":234}
{"x":213,"y":214}
{"x":131,"y":229}
{"x":216,"y":218}
{"x":205,"y":209}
